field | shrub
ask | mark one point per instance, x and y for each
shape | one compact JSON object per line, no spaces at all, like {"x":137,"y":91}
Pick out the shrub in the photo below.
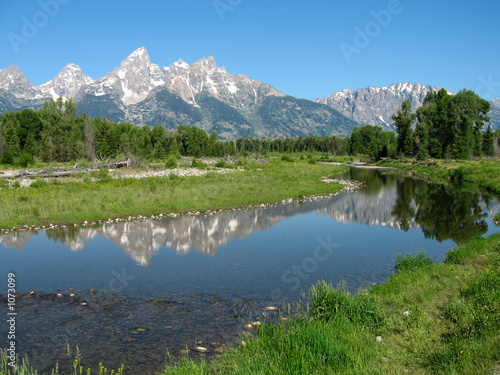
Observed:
{"x":171,"y":162}
{"x":221,"y":163}
{"x":312,"y":161}
{"x":286,"y":158}
{"x":458,"y":174}
{"x":25,"y":159}
{"x":7,"y":158}
{"x":195,"y":163}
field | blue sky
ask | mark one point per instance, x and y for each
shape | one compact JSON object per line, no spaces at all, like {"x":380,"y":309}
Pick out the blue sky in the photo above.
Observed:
{"x":303,"y":48}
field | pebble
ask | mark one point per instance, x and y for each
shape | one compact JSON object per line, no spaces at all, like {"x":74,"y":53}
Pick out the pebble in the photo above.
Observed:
{"x":272,"y":308}
{"x":379,"y":338}
{"x":201,"y":349}
{"x":141,"y":329}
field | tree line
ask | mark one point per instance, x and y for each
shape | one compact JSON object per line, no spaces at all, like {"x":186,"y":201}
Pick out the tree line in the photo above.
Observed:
{"x":445,"y":126}
{"x":55,"y":133}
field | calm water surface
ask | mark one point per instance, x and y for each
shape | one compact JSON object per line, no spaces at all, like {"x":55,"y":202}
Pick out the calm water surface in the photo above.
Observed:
{"x":153,"y":286}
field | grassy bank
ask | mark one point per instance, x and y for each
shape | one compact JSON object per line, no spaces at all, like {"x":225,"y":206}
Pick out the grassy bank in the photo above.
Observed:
{"x":75,"y":201}
{"x":427,"y":319}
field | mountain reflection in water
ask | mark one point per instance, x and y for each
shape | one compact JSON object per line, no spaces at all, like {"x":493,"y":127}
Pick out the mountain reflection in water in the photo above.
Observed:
{"x":441,"y":211}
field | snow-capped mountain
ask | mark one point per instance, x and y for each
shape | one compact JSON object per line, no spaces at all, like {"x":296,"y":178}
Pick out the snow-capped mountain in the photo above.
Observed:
{"x":201,"y":94}
{"x":376,"y":105}
{"x":13,"y":81}
{"x":66,"y":84}
{"x":132,"y":81}
{"x":204,"y":75}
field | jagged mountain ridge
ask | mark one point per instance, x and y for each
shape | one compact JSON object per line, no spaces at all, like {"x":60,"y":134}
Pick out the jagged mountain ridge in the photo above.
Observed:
{"x":376,"y":105}
{"x":201,"y":94}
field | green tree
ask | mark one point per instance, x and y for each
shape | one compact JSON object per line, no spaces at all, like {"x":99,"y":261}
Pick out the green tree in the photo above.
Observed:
{"x":10,"y":139}
{"x":488,"y":146}
{"x":403,"y":121}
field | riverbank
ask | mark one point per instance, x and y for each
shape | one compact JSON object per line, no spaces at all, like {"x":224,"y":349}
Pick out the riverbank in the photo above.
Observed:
{"x":112,"y":196}
{"x":428,"y":318}
{"x":470,"y":174}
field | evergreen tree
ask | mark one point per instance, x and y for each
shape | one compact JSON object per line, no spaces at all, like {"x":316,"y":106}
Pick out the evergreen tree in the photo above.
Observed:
{"x":403,"y":121}
{"x":488,"y":146}
{"x":11,"y":139}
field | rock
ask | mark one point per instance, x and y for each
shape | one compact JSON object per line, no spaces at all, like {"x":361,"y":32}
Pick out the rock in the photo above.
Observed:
{"x":72,"y":295}
{"x":59,"y":295}
{"x":406,"y":313}
{"x":272,"y":308}
{"x":141,"y":329}
{"x":83,"y":304}
{"x":201,"y":349}
{"x":379,"y":338}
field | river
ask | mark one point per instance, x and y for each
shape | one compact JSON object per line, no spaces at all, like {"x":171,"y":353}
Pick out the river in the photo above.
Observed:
{"x":147,"y":288}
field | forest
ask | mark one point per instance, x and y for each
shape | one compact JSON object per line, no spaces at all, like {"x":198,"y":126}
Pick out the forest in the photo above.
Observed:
{"x":446,"y":126}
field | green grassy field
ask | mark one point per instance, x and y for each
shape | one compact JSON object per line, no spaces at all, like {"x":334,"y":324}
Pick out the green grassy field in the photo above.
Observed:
{"x":56,"y":202}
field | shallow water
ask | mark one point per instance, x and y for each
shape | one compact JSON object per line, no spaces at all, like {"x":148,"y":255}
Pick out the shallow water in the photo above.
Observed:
{"x":173,"y":284}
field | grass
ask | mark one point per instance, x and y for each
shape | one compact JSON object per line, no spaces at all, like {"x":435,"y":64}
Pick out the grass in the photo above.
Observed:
{"x":99,"y":197}
{"x":427,"y":319}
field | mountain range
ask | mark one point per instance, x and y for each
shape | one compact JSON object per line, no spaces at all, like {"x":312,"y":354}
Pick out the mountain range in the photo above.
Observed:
{"x":207,"y":96}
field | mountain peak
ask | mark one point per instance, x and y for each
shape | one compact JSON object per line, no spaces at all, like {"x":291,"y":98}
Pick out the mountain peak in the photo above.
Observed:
{"x":206,"y":62}
{"x":140,"y":54}
{"x":13,"y":79}
{"x":67,"y":83}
